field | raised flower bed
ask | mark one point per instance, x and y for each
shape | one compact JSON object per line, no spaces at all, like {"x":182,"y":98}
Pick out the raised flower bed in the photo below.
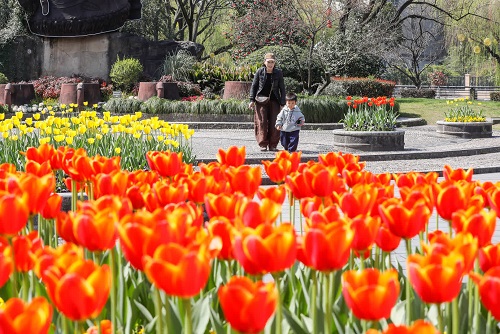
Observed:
{"x":369,"y":125}
{"x":463,"y":120}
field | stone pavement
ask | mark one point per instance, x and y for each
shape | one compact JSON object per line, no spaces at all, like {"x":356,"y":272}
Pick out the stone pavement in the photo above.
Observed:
{"x":425,"y":150}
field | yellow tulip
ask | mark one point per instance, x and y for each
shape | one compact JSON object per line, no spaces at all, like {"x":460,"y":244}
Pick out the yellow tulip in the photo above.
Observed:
{"x":29,"y":121}
{"x":90,"y":140}
{"x":36,"y":116}
{"x":118,"y":150}
{"x":69,"y":140}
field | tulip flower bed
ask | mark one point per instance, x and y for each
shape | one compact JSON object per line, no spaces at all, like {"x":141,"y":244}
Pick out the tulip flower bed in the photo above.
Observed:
{"x":139,"y":257}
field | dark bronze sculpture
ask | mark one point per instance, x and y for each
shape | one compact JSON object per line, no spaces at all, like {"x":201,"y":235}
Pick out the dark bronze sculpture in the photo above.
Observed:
{"x":66,"y":18}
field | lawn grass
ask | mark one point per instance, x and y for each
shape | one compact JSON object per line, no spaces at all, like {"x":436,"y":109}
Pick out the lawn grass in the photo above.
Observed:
{"x":432,"y":110}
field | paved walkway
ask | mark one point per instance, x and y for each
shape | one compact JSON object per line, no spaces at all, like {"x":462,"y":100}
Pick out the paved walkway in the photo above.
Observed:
{"x":425,"y":150}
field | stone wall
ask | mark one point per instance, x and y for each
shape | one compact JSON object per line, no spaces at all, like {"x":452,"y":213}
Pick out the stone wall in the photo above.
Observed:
{"x":30,"y":57}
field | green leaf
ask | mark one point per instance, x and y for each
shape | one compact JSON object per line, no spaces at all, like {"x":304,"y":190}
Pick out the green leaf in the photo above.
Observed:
{"x":295,"y":323}
{"x":216,"y":322}
{"x":145,"y":312}
{"x":201,"y":315}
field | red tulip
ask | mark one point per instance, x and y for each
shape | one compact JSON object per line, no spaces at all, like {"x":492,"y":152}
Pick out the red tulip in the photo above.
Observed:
{"x":6,"y":263}
{"x":370,"y":294}
{"x":326,"y":247}
{"x":276,"y":194}
{"x":458,"y":174}
{"x":234,"y":156}
{"x":18,"y":317}
{"x":79,"y":289}
{"x":52,"y":207}
{"x":14,"y":212}
{"x":266,"y":249}
{"x":180,"y":271}
{"x":245,"y":179}
{"x":405,"y":219}
{"x":489,"y":290}
{"x":476,"y":221}
{"x":436,"y":278}
{"x":166,"y":164}
{"x":489,"y":257}
{"x":247,"y":306}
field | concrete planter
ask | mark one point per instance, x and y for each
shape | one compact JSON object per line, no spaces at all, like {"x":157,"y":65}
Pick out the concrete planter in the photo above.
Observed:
{"x":465,"y":129}
{"x":236,"y":90}
{"x":164,"y":90}
{"x":78,"y":93}
{"x":369,"y":140}
{"x":16,"y":94}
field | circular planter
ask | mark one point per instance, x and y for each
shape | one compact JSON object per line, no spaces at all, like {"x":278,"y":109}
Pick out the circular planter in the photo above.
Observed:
{"x":369,"y":140}
{"x":80,"y":92}
{"x":236,"y":90}
{"x":164,"y":90}
{"x":17,"y":94}
{"x":465,"y":129}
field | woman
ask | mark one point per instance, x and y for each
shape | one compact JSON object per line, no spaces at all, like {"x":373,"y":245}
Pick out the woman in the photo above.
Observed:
{"x":267,"y":82}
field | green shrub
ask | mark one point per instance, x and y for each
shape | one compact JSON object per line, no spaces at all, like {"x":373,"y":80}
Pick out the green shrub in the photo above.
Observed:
{"x":366,"y":86}
{"x":4,"y":108}
{"x":495,"y":96}
{"x":122,"y":106}
{"x":179,"y":65}
{"x":125,"y":73}
{"x":3,"y":79}
{"x":418,"y":93}
{"x":322,"y":109}
{"x":292,"y":85}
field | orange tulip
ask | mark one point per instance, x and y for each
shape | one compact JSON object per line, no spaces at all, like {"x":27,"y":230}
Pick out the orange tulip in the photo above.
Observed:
{"x":494,"y":199}
{"x":419,"y":191}
{"x":370,"y":294}
{"x":179,"y":271}
{"x":353,"y":177}
{"x":79,"y":167}
{"x":365,"y":231}
{"x":458,"y":174}
{"x":405,"y":219}
{"x":293,"y":157}
{"x":52,"y":207}
{"x":266,"y":249}
{"x":418,"y":327}
{"x":62,"y":154}
{"x":217,"y":179}
{"x":276,"y":194}
{"x":135,"y":195}
{"x":222,"y":205}
{"x":40,"y":154}
{"x":105,"y":165}
{"x":166,"y":192}
{"x":38,"y":189}
{"x":277,"y":170}
{"x":14,"y":212}
{"x":436,"y":278}
{"x":198,"y":185}
{"x":489,"y":290}
{"x":6,"y":263}
{"x":463,"y":243}
{"x":453,"y":196}
{"x":113,"y":183}
{"x":386,"y":240}
{"x":166,"y":164}
{"x":476,"y":221}
{"x":245,"y":179}
{"x":26,"y":248}
{"x":33,"y":167}
{"x":62,"y":256}
{"x":489,"y":257}
{"x":413,"y":178}
{"x":359,"y":201}
{"x":326,"y":247}
{"x":252,"y":213}
{"x":234,"y":156}
{"x":310,"y":205}
{"x":18,"y":317}
{"x":341,"y":161}
{"x":296,"y":183}
{"x":247,"y":306}
{"x":79,"y":289}
{"x":106,"y":328}
{"x":221,"y":227}
{"x":323,"y":180}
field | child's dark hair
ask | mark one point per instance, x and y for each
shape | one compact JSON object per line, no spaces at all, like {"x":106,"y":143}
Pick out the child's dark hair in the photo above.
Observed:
{"x":291,"y":97}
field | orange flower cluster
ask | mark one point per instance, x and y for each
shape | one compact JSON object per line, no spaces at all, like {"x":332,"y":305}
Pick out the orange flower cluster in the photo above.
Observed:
{"x":155,"y":219}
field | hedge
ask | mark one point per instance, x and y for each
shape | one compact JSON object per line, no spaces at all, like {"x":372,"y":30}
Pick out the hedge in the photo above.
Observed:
{"x":367,"y":86}
{"x":421,"y":93}
{"x":495,"y":96}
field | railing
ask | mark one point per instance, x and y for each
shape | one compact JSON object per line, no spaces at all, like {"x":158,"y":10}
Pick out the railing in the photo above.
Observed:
{"x":453,"y":92}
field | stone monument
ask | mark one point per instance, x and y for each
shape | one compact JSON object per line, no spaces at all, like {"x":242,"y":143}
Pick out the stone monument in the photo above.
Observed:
{"x":70,"y":18}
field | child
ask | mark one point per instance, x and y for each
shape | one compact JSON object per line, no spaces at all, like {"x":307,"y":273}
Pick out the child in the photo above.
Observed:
{"x":289,"y":121}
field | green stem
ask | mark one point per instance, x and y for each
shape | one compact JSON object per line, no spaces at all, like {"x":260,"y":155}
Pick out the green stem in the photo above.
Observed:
{"x":74,"y":195}
{"x":188,"y":316}
{"x":488,"y":323}
{"x":377,"y":259}
{"x":13,"y":276}
{"x":470,"y":289}
{"x":26,"y":284}
{"x":314,"y":311}
{"x":113,"y":288}
{"x":158,"y":310}
{"x":440,"y":318}
{"x":454,"y":310}
{"x":328,"y":303}
{"x":407,"y":286}
{"x":31,"y":225}
{"x":475,"y":324}
{"x":279,"y":314}
{"x":362,"y":261}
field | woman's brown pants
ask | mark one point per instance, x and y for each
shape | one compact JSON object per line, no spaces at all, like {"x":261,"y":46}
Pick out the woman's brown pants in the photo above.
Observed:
{"x":265,"y":121}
